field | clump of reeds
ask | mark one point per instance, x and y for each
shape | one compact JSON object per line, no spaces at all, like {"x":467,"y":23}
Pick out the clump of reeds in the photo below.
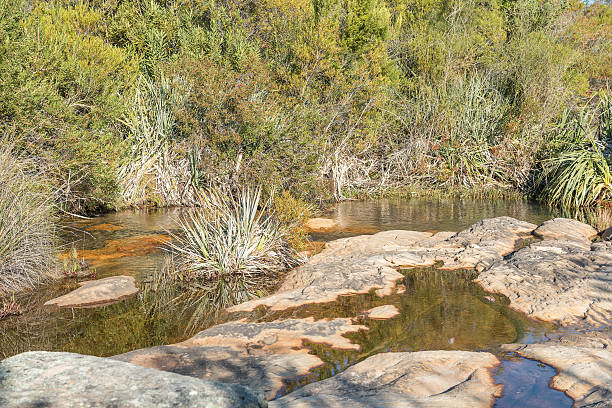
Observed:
{"x":230,"y":249}
{"x":27,"y":231}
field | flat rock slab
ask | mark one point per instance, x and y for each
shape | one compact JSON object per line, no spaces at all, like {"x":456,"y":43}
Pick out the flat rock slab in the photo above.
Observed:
{"x":260,"y":355}
{"x":382,"y":312}
{"x":558,"y":281}
{"x":583,"y":364}
{"x":320,"y":225}
{"x":58,"y":380}
{"x":565,"y":229}
{"x":359,"y":264}
{"x":437,"y":379}
{"x":97,"y":293}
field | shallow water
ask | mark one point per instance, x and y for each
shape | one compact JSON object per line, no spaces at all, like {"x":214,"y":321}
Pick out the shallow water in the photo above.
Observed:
{"x":439,"y":310}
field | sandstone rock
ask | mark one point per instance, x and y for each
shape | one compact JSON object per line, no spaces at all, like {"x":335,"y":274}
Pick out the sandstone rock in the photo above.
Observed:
{"x":477,"y":247}
{"x":382,"y":312}
{"x":422,"y":379}
{"x":565,"y":229}
{"x":360,"y":264}
{"x":556,"y":281}
{"x":259,"y":355}
{"x":97,"y":293}
{"x":57,"y":380}
{"x":583,"y":363}
{"x":320,"y":225}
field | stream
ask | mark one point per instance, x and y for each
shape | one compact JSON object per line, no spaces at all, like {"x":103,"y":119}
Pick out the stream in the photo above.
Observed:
{"x":440,"y":310}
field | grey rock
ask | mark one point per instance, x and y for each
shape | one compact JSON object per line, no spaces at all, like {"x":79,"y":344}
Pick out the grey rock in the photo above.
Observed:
{"x":558,"y":281}
{"x":422,"y":379}
{"x":57,"y":380}
{"x":261,"y":355}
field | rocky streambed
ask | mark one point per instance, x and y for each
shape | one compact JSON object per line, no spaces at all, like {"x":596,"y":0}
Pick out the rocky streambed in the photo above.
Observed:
{"x":292,"y":349}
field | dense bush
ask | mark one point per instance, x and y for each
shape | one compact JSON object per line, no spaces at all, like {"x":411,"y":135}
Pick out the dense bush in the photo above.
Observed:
{"x":137,"y":102}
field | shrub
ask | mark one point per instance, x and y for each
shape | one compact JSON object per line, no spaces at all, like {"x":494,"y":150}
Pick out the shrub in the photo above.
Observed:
{"x":27,"y":234}
{"x":230,"y":250}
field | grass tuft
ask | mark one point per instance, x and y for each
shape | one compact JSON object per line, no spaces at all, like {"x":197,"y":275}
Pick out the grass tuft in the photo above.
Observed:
{"x":230,"y":250}
{"x":27,"y":231}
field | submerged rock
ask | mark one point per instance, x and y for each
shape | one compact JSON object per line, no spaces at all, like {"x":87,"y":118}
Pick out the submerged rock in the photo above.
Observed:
{"x":421,"y":379}
{"x":57,"y":380}
{"x":99,"y":292}
{"x":359,"y":264}
{"x":558,"y":281}
{"x":260,"y":355}
{"x":583,"y":363}
{"x":320,"y":225}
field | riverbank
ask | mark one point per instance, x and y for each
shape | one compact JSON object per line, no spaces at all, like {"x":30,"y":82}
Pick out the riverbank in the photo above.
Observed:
{"x":485,"y":246}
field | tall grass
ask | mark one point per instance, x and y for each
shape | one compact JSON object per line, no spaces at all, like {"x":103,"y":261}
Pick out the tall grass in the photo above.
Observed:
{"x":153,"y":173}
{"x":230,"y":250}
{"x":27,"y":232}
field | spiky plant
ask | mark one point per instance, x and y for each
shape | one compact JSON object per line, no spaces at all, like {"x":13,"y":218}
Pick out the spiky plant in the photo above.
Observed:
{"x":579,"y":178}
{"x":230,"y":249}
{"x":27,"y":232}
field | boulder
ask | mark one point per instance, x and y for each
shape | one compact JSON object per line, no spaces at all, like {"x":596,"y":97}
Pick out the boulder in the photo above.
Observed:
{"x":565,"y":229}
{"x":99,"y":292}
{"x":58,"y":380}
{"x":320,"y":225}
{"x":558,"y":281}
{"x":583,"y":363}
{"x":359,"y":264}
{"x":423,"y":379}
{"x":260,"y":355}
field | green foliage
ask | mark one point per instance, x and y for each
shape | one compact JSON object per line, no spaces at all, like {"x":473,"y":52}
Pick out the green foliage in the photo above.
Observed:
{"x":229,"y":249}
{"x":136,"y":102}
{"x":27,"y":232}
{"x":577,"y":179}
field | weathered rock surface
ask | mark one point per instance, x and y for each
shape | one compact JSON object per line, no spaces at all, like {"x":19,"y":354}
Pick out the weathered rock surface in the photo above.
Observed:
{"x":422,"y":379}
{"x":477,"y":247}
{"x":259,"y":355}
{"x":557,"y":281}
{"x":320,"y":225}
{"x":58,"y":380}
{"x":382,"y":312}
{"x":565,"y":229}
{"x":360,"y":264}
{"x":97,"y":293}
{"x":583,"y":363}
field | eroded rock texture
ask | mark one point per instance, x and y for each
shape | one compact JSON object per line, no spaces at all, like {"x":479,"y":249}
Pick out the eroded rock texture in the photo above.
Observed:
{"x":260,"y":355}
{"x":58,"y":380}
{"x":423,"y":379}
{"x":360,"y":264}
{"x":559,"y":281}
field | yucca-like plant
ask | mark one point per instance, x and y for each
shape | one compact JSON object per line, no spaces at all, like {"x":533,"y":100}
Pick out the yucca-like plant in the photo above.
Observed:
{"x":579,"y":178}
{"x":230,"y":249}
{"x":27,"y":232}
